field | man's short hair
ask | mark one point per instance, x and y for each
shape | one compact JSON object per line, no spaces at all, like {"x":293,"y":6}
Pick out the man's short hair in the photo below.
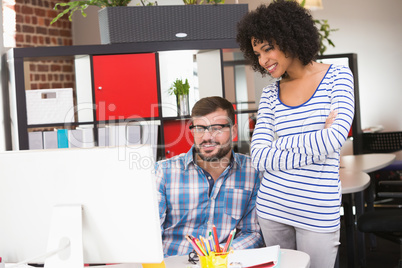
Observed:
{"x":209,"y":105}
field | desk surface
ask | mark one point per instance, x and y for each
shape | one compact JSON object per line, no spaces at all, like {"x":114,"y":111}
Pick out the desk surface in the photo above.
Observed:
{"x":353,"y":181}
{"x":398,"y":155}
{"x":289,"y":259}
{"x":366,"y":162}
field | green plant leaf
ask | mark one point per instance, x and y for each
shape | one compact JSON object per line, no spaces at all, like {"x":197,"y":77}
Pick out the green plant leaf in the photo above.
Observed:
{"x":73,"y":6}
{"x":179,"y":87}
{"x":324,"y":31}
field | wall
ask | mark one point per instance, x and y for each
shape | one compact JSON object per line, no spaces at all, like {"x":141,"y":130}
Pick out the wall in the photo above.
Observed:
{"x":33,"y":24}
{"x":33,"y":29}
{"x":371,"y":29}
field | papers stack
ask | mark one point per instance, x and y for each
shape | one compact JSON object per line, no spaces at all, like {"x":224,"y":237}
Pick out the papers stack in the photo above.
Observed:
{"x":257,"y":257}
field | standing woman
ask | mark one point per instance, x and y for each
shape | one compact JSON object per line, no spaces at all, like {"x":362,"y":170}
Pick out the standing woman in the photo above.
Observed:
{"x":303,"y":120}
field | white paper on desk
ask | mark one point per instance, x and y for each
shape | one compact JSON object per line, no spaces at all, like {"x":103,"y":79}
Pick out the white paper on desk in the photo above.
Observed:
{"x":256,"y":256}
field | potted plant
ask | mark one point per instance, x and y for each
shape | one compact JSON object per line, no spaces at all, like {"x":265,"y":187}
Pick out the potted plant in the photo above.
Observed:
{"x":324,"y":31}
{"x":181,"y":90}
{"x":119,"y":23}
{"x":71,"y":7}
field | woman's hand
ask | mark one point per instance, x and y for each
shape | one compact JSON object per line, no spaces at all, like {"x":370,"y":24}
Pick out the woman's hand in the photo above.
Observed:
{"x":331,"y":118}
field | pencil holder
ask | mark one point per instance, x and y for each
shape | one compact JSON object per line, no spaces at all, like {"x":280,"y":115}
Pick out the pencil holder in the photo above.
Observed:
{"x":214,"y":260}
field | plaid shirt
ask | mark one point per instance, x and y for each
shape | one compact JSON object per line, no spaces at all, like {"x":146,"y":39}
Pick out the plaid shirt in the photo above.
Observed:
{"x":187,"y":208}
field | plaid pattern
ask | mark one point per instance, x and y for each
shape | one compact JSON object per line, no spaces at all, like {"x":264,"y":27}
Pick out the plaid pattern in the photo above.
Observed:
{"x":186,"y":208}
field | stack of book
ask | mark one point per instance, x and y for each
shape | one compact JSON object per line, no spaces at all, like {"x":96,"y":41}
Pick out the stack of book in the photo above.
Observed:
{"x":83,"y":137}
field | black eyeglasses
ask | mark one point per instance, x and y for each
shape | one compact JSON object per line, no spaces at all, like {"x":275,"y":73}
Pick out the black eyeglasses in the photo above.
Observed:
{"x":214,"y":129}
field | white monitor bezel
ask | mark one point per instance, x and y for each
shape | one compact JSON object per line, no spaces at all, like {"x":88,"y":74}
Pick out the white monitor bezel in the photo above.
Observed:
{"x":115,"y":186}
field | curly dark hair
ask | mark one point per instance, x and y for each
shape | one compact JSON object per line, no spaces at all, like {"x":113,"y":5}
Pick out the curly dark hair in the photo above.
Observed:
{"x":285,"y":23}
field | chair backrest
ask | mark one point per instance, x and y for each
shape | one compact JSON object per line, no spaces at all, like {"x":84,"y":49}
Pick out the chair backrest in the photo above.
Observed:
{"x":382,"y":142}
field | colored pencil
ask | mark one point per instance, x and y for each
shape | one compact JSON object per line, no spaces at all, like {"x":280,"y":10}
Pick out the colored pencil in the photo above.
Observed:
{"x":228,"y":241}
{"x":207,"y":246}
{"x":233,"y":235}
{"x":215,"y":234}
{"x":202,"y":241}
{"x":210,"y":236}
{"x":211,"y":243}
{"x":200,"y":247}
{"x":194,"y":246}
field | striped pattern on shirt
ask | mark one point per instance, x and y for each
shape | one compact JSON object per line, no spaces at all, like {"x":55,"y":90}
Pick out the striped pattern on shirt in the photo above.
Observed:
{"x":300,"y":158}
{"x":186,"y":207}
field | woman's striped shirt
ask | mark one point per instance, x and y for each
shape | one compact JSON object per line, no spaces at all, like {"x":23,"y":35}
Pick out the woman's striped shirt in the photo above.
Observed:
{"x":300,"y":158}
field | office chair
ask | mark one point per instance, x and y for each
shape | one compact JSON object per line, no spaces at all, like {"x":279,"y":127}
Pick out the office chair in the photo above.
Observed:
{"x":382,"y":142}
{"x":385,"y":223}
{"x":386,"y":186}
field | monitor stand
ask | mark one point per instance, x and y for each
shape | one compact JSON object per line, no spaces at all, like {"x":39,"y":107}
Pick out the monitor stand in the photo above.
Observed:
{"x":65,"y":238}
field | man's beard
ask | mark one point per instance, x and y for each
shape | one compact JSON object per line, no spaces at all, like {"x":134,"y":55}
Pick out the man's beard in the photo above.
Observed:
{"x":222,"y":151}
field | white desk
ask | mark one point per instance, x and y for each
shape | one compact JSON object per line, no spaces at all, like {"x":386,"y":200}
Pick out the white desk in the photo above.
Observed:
{"x":289,"y":259}
{"x":353,"y":182}
{"x":398,"y":155}
{"x":366,"y":162}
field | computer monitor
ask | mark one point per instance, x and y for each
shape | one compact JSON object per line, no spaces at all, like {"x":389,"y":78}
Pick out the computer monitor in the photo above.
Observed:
{"x":113,"y":188}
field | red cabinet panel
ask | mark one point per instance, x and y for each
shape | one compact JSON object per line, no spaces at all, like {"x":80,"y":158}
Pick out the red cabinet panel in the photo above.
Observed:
{"x":125,"y":86}
{"x":178,"y":138}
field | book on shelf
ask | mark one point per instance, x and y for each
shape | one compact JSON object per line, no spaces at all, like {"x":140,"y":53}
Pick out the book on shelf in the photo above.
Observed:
{"x":62,"y":138}
{"x":149,"y":135}
{"x":35,"y":140}
{"x":117,"y":135}
{"x":74,"y":138}
{"x":50,"y":139}
{"x":103,"y":136}
{"x":123,"y":134}
{"x":88,"y":139}
{"x":133,"y":133}
{"x":81,"y":137}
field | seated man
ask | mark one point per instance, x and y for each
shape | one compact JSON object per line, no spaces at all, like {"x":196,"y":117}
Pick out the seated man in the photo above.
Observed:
{"x":208,"y":185}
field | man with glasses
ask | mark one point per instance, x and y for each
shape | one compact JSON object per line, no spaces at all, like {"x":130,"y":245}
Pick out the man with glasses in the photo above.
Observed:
{"x":210,"y":185}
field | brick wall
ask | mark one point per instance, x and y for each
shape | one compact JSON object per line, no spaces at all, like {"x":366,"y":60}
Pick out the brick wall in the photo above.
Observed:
{"x":33,"y":29}
{"x":58,"y":73}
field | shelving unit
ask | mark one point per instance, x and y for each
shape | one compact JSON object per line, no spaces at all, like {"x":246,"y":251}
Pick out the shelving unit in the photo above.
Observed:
{"x":87,"y":90}
{"x":211,"y":82}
